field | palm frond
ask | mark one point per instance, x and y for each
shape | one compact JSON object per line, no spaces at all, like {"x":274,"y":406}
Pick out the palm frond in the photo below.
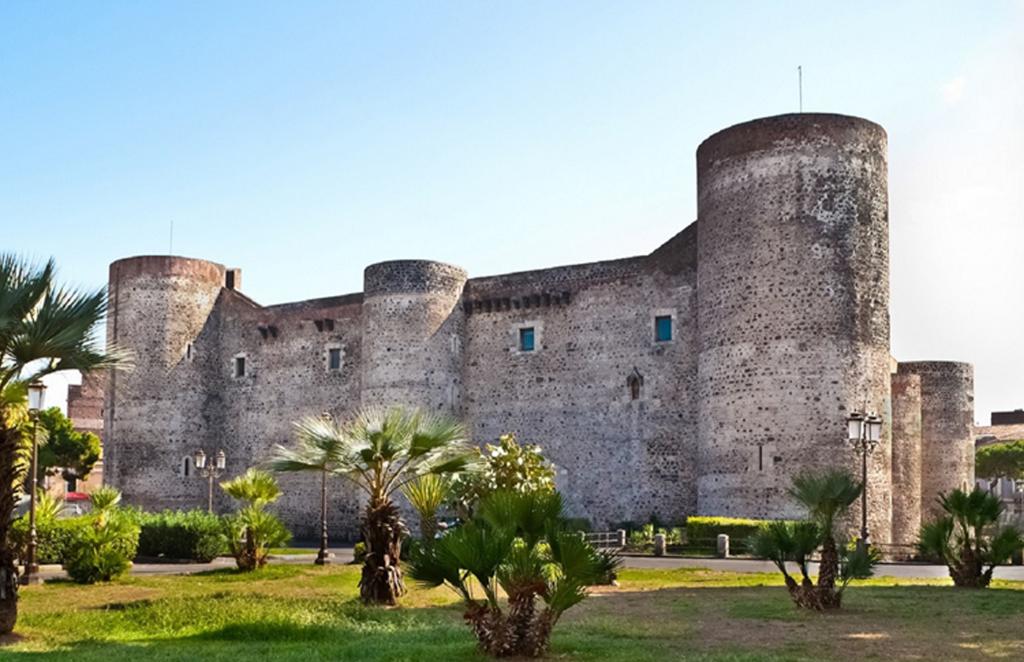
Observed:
{"x":255,"y":487}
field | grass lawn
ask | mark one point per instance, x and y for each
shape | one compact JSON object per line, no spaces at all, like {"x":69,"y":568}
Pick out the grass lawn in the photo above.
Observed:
{"x":289,"y":612}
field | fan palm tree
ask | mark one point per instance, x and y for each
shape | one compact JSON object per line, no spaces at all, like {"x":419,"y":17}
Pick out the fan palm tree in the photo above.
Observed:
{"x":500,"y":549}
{"x":44,"y":328}
{"x":315,"y":451}
{"x":252,"y":531}
{"x":426,"y":495}
{"x":967,"y":538}
{"x":826,"y":497}
{"x":381,"y":451}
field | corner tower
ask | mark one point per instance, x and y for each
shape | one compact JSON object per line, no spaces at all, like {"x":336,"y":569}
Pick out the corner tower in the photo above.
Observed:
{"x":412,"y":334}
{"x":793,"y":308}
{"x":159,"y":305}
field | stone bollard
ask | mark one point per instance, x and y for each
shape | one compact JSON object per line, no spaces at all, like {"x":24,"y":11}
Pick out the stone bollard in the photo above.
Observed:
{"x":659,"y":544}
{"x":722,"y":548}
{"x":621,"y":537}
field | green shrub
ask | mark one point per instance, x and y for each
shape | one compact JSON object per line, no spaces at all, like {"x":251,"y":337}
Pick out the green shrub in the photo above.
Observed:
{"x":173,"y":534}
{"x":102,"y":549}
{"x":52,"y":537}
{"x":704,"y":531}
{"x":359,"y":553}
{"x":251,"y":532}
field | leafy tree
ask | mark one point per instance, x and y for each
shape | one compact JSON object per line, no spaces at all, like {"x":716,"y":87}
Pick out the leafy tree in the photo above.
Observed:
{"x":381,"y":451}
{"x":44,"y":328}
{"x":1001,"y":460}
{"x":252,"y":531}
{"x":968,"y":538}
{"x":826,"y":497}
{"x":505,"y":466}
{"x":66,"y":450}
{"x":512,"y":544}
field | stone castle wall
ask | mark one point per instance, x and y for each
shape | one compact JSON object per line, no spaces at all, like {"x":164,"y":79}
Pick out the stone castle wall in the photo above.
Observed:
{"x":778,"y":297}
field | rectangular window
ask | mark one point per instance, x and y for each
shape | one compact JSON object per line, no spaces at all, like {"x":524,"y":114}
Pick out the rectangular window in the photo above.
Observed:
{"x":663,"y":328}
{"x":239,"y":366}
{"x":334,"y":358}
{"x":526,"y":339}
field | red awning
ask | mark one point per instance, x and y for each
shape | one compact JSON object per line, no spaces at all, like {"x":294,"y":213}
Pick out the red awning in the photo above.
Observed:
{"x":76,"y":496}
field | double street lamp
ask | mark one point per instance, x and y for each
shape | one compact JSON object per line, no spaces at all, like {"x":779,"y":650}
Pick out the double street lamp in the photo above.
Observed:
{"x":215,"y":469}
{"x":865,"y":432}
{"x":36,"y":401}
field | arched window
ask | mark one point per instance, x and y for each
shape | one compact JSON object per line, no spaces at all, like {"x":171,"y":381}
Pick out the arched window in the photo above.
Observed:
{"x":186,"y":467}
{"x":635,"y":382}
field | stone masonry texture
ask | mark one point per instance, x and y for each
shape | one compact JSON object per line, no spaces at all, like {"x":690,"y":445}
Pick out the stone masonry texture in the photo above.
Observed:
{"x":778,"y":297}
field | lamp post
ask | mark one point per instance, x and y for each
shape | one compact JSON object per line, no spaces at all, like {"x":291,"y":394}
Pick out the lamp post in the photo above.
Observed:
{"x":321,"y":554}
{"x":210,"y":472}
{"x":36,"y":400}
{"x":865,"y":431}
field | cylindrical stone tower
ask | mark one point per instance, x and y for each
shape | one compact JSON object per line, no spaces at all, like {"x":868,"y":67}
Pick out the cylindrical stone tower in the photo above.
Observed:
{"x":412,"y":328}
{"x":159,"y":305}
{"x":793,"y":309}
{"x":947,"y":429}
{"x":906,"y":460}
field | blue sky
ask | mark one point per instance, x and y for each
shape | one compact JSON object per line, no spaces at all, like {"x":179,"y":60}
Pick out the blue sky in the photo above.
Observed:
{"x":302,"y":141}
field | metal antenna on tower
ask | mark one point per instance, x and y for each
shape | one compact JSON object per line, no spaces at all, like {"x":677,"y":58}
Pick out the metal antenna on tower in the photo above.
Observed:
{"x":800,"y":85}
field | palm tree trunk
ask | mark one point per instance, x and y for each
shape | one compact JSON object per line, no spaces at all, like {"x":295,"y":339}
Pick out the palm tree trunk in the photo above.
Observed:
{"x":12,"y":473}
{"x":381,"y":581}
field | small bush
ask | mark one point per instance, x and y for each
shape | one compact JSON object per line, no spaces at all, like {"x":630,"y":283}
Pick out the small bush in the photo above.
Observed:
{"x":189,"y":535}
{"x":102,"y":549}
{"x":703,"y":531}
{"x":52,"y":538}
{"x":359,"y":553}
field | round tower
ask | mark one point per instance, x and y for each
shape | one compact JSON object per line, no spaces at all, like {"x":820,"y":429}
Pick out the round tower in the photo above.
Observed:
{"x":792,"y":307}
{"x":159,"y":306}
{"x":947,"y":429}
{"x":412,"y":329}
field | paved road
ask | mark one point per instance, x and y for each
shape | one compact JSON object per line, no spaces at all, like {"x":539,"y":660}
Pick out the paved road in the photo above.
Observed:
{"x":344,"y":555}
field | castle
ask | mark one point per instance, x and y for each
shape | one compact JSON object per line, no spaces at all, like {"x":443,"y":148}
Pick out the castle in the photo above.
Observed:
{"x":698,"y":379}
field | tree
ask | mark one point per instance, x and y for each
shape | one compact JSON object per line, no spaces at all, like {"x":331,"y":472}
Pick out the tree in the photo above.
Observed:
{"x":514,"y":542}
{"x":67,"y":451}
{"x":826,"y":497}
{"x":44,"y":328}
{"x":1001,"y":460}
{"x":508,"y":465}
{"x":968,"y":538}
{"x":381,"y":451}
{"x":315,"y":452}
{"x":426,"y":495}
{"x":252,"y":531}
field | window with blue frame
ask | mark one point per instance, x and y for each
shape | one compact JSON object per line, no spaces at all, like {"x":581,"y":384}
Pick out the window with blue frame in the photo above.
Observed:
{"x":526,"y":339}
{"x":663,"y":328}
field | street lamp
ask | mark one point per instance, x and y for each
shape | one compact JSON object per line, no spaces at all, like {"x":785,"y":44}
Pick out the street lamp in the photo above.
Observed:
{"x":214,"y":470}
{"x":865,"y":431}
{"x":321,"y":554}
{"x":36,"y":401}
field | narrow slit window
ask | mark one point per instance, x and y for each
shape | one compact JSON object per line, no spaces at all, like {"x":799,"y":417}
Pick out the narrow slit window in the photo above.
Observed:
{"x":526,"y":339}
{"x":663,"y":328}
{"x":334,"y":358}
{"x":760,"y":457}
{"x":239,"y":366}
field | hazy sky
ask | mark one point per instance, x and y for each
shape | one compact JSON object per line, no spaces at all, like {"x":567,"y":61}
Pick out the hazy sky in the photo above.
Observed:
{"x":302,"y":141}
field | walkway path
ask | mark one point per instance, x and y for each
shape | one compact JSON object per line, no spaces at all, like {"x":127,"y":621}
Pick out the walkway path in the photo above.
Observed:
{"x":344,"y":555}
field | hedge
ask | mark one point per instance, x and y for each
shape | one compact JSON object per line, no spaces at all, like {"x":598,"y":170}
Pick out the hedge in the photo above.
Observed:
{"x":705,"y":530}
{"x":184,"y":535}
{"x":53,"y":537}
